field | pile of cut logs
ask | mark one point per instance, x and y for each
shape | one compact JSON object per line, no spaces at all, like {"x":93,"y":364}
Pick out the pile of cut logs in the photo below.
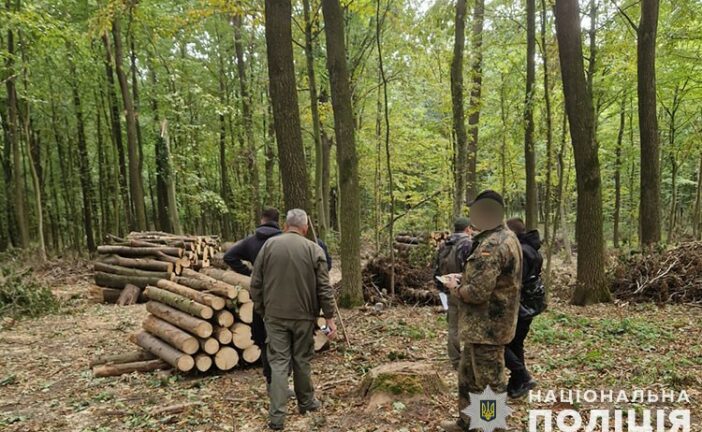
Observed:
{"x":406,"y":242}
{"x":125,"y":266}
{"x":196,"y":320}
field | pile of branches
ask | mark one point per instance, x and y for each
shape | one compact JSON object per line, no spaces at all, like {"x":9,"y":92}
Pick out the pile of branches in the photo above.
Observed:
{"x":413,"y":272}
{"x":670,"y":276}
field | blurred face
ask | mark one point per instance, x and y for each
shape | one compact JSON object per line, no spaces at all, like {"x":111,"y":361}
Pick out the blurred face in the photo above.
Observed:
{"x":486,"y":214}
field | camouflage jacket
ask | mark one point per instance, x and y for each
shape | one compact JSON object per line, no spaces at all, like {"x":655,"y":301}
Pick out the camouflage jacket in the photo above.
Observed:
{"x":489,"y":291}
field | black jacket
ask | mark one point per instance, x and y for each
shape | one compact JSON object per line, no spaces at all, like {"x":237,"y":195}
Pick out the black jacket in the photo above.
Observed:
{"x":248,"y":248}
{"x":532,"y":259}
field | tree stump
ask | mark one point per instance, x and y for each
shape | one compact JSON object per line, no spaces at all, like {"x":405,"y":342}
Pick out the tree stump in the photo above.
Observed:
{"x":400,"y":381}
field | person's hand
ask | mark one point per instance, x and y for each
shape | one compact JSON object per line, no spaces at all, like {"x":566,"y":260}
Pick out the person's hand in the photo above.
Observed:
{"x":332,"y":328}
{"x":451,"y":281}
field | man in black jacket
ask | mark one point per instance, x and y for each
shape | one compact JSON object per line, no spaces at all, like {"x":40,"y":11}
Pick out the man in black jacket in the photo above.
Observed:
{"x":520,"y":381}
{"x":247,"y":250}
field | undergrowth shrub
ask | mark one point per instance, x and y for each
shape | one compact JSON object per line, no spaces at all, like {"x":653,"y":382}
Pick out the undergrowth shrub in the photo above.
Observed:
{"x":22,"y":295}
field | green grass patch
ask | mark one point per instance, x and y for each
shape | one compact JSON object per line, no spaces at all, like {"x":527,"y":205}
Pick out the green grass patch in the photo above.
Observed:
{"x":22,"y":295}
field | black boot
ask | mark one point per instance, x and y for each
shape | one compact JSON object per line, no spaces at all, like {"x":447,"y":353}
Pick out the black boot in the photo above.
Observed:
{"x":520,"y":382}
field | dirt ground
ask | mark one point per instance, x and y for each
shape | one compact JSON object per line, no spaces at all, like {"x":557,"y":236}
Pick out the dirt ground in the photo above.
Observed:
{"x":46,"y":385}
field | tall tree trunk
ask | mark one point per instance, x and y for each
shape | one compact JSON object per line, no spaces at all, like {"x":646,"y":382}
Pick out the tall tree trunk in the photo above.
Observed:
{"x":136,"y":184}
{"x":503,"y":139}
{"x":476,"y":71}
{"x":697,"y":213}
{"x":247,"y":113}
{"x":591,"y":286}
{"x":314,"y":109}
{"x":347,"y":160}
{"x":116,"y":128}
{"x":18,"y":191}
{"x":270,"y":158}
{"x":459,"y":128}
{"x":650,"y":208}
{"x":618,"y":173}
{"x":169,"y":179}
{"x":391,"y":183}
{"x":161,"y":168}
{"x":532,"y":212}
{"x":286,"y":112}
{"x":549,"y":122}
{"x":102,"y":198}
{"x":86,"y":183}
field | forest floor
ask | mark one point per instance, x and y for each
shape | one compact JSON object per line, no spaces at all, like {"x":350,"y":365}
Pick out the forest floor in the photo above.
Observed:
{"x":46,"y":384}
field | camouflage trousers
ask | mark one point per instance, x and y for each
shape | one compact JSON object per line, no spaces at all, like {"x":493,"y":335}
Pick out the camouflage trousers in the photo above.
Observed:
{"x":454,"y":340}
{"x":481,"y":365}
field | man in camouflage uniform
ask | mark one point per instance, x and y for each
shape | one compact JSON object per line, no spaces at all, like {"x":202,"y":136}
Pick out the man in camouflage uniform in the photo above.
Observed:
{"x":489,"y":302}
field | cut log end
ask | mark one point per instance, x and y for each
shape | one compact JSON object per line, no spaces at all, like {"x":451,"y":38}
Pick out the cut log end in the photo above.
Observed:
{"x":226,"y":358}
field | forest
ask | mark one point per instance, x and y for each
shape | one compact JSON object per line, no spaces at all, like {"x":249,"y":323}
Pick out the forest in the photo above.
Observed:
{"x":142,"y":138}
{"x":193,"y":116}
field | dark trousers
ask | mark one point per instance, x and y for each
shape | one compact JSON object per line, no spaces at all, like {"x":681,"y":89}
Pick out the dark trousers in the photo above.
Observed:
{"x":514,"y":354}
{"x":258,"y":334}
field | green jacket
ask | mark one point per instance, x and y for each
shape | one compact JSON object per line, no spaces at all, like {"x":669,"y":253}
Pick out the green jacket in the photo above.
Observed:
{"x":489,"y":290}
{"x":290,"y":279}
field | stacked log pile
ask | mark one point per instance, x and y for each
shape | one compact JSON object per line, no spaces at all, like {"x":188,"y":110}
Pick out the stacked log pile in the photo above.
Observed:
{"x":125,"y":266}
{"x":198,"y":321}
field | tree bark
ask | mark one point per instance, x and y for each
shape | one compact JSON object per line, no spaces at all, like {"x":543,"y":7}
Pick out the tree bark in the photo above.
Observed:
{"x":116,"y":128}
{"x":247,"y":114}
{"x":347,"y":159}
{"x":215,"y":302}
{"x":108,"y":370}
{"x":459,"y":128}
{"x":618,"y":173}
{"x":164,"y":222}
{"x":126,"y":271}
{"x":286,"y":112}
{"x":138,"y":263}
{"x":119,"y":281}
{"x":179,"y":302}
{"x":650,"y":190}
{"x":697,"y":214}
{"x":532,"y":206}
{"x":86,"y":182}
{"x":549,"y":123}
{"x":18,"y":190}
{"x":129,"y":357}
{"x":475,"y":99}
{"x":171,"y":334}
{"x":180,"y":319}
{"x":314,"y":109}
{"x":136,"y":184}
{"x":179,"y":360}
{"x":591,"y":282}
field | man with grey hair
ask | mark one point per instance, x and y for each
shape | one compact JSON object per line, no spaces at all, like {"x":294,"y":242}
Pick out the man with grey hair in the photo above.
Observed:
{"x":289,"y":285}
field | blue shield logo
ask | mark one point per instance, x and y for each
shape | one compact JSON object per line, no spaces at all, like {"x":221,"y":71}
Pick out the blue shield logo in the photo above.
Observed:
{"x":487,"y":410}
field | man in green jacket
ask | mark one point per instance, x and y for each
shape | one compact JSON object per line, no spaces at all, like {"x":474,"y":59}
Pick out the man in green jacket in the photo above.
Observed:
{"x":289,"y":285}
